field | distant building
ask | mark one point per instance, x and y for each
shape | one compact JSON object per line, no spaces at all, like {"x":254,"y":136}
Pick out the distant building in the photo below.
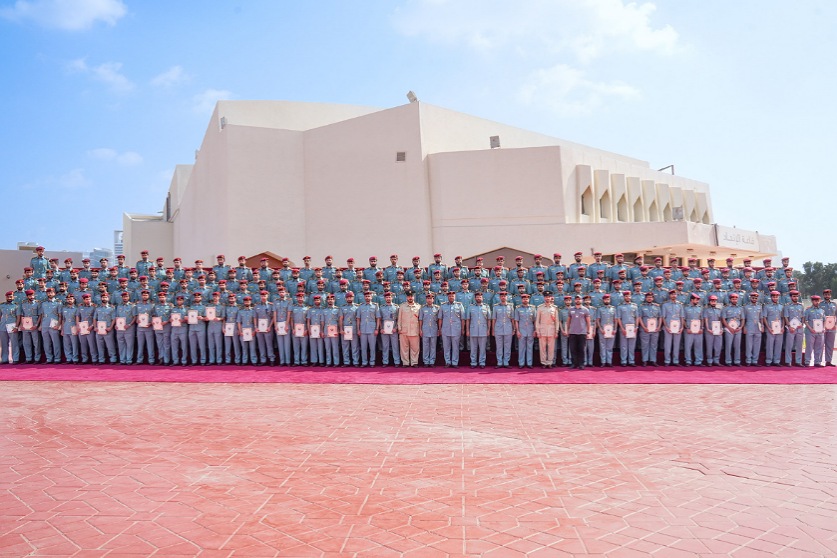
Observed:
{"x":98,"y":253}
{"x":315,"y":179}
{"x":118,"y":245}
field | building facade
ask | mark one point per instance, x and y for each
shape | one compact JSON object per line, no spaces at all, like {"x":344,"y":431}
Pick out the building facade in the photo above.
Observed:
{"x":316,"y":179}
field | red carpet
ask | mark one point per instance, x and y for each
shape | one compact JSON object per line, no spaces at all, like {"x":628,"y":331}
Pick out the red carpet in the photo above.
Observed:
{"x":417,"y":376}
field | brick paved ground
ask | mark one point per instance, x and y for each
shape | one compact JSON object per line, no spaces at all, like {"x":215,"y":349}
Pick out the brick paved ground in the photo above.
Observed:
{"x":128,"y":469}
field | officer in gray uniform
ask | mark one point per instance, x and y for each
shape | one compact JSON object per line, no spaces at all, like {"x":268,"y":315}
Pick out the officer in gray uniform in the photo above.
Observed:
{"x":145,"y":331}
{"x":713,"y":335}
{"x":105,"y":340}
{"x":452,"y":327}
{"x":829,"y":307}
{"x":476,"y":328}
{"x":429,"y":327}
{"x":162,"y":334}
{"x":348,"y":328}
{"x":732,"y":320}
{"x":87,"y":341}
{"x":606,"y":327}
{"x":389,"y":341}
{"x":232,"y":343}
{"x":9,"y":332}
{"x":793,"y":315}
{"x":215,"y":329}
{"x":673,"y":318}
{"x":368,"y":319}
{"x":316,"y":324}
{"x":69,"y":331}
{"x":197,"y":331}
{"x":753,"y":329}
{"x":30,"y":311}
{"x":627,"y":315}
{"x":814,"y":318}
{"x":125,"y":335}
{"x":524,"y":329}
{"x":51,"y":327}
{"x":331,"y":321}
{"x":774,"y":325}
{"x":265,"y":310}
{"x":502,"y":327}
{"x":179,"y":331}
{"x":649,"y":329}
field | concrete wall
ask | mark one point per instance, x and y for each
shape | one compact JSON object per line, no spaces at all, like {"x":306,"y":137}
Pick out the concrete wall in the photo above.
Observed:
{"x":12,"y":263}
{"x":359,"y":201}
{"x":484,"y":200}
{"x":153,"y":234}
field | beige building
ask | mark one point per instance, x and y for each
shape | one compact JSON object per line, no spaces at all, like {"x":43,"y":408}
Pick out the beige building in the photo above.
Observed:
{"x":316,"y":179}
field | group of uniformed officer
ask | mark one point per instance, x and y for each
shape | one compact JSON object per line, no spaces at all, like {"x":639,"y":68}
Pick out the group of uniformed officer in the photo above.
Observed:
{"x":360,"y":316}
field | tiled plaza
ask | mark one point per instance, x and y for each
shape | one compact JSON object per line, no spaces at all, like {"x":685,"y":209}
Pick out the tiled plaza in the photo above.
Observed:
{"x":198,"y":469}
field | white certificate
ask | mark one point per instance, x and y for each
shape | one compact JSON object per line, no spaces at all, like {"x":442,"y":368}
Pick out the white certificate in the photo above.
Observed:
{"x":193,"y":317}
{"x":674,"y":326}
{"x":263,"y":325}
{"x":795,"y":323}
{"x":247,"y":334}
{"x":142,"y":320}
{"x":84,"y":328}
{"x":715,"y":327}
{"x":348,"y":333}
{"x":590,"y":331}
{"x":299,"y":330}
{"x":733,"y":324}
{"x":210,"y":313}
{"x":26,"y":323}
{"x":281,"y":328}
{"x":10,"y":328}
{"x":608,"y":331}
{"x":389,"y":327}
{"x":331,"y":331}
{"x":694,"y":326}
{"x":830,"y":322}
{"x":630,"y":331}
{"x":817,"y":325}
{"x":157,"y":323}
{"x":53,"y":323}
{"x":101,"y":328}
{"x":229,"y":329}
{"x":73,"y":330}
{"x":776,"y":327}
{"x":120,"y":324}
{"x":176,"y":320}
{"x":651,"y":324}
{"x":314,"y":331}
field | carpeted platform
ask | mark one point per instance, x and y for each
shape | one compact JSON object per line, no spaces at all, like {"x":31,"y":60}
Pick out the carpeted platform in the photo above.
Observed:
{"x":417,"y":376}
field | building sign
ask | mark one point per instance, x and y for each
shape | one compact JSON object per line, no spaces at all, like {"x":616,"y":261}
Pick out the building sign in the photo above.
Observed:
{"x":729,"y":237}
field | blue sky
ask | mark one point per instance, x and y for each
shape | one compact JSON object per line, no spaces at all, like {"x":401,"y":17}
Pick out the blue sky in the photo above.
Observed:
{"x":104,"y":97}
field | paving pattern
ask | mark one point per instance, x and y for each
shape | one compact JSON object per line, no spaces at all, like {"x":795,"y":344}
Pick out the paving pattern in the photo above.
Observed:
{"x":211,"y":470}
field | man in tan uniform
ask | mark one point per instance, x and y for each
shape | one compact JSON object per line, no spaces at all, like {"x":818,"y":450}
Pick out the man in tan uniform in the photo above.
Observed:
{"x":409,"y":330}
{"x":546,"y":329}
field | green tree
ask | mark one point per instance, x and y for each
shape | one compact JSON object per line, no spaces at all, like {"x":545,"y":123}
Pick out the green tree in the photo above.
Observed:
{"x":817,"y":276}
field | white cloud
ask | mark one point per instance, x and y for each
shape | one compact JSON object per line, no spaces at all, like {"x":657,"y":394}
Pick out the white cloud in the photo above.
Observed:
{"x":587,"y":29}
{"x":107,"y":73}
{"x":69,"y":15}
{"x":128,"y":158}
{"x":73,"y":180}
{"x":568,"y":92}
{"x":205,"y":102}
{"x":171,"y":77}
